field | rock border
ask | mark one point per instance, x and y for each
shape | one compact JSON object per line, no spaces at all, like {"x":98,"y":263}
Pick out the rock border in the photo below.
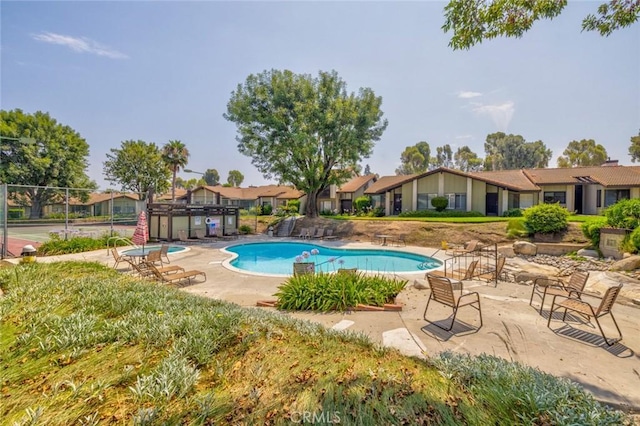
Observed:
{"x":387,"y":307}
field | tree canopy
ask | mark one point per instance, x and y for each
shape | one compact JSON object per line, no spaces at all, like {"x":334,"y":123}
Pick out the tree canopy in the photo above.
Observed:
{"x":583,"y":153}
{"x":305,"y":131}
{"x":37,"y":150}
{"x":176,"y":155}
{"x":414,"y":159}
{"x":211,"y":177}
{"x":634,"y":148}
{"x":443,"y":158}
{"x":137,"y":166}
{"x":235,"y":178}
{"x":473,"y":21}
{"x":467,"y":160}
{"x":507,"y":152}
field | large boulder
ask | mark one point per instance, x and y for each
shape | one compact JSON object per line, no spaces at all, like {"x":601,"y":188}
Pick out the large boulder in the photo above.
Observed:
{"x":525,"y":248}
{"x":628,"y":264}
{"x":589,"y":253}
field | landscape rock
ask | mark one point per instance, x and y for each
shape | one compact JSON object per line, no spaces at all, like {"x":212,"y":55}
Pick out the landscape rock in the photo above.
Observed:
{"x":525,"y":248}
{"x":588,"y":253}
{"x":628,"y":264}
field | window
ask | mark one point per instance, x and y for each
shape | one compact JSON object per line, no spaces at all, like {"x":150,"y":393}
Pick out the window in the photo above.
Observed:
{"x":555,"y":197}
{"x":599,"y":198}
{"x":612,"y":196}
{"x":457,"y":201}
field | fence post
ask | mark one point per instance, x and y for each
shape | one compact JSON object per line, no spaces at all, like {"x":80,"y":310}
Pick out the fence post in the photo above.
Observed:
{"x":66,"y":213}
{"x":5,"y":214}
{"x":111,"y":213}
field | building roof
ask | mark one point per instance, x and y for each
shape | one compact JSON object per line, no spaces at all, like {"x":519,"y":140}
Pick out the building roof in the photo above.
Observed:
{"x":356,"y":183}
{"x":515,"y":180}
{"x":606,"y":176}
{"x":385,"y":183}
{"x":255,"y":192}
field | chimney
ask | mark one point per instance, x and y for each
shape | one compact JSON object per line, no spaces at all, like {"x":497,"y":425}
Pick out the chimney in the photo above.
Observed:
{"x":610,"y":162}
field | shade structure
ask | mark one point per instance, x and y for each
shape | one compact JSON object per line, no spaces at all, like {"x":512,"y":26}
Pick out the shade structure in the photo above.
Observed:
{"x":141,"y":233}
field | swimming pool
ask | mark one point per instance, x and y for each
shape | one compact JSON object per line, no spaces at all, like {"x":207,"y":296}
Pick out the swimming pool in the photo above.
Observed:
{"x":278,"y":257}
{"x":139,"y":251}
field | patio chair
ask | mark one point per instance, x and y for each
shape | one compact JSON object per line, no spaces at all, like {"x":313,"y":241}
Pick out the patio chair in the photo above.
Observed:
{"x":347,"y":271}
{"x":310,"y":232}
{"x":493,"y":274}
{"x":319,"y":233}
{"x":119,"y":258}
{"x":303,"y":233}
{"x":182,"y":236}
{"x":457,"y":274}
{"x":164,"y":252}
{"x":576,"y":304}
{"x":555,"y":287}
{"x":442,"y":291}
{"x":175,"y":277}
{"x":469,"y":247}
{"x":200,"y":234}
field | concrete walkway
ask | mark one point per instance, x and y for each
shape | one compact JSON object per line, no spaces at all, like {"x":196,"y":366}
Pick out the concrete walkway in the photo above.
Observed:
{"x":512,"y":329}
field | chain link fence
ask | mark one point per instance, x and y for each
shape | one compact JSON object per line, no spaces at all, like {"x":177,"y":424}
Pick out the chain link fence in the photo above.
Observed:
{"x":31,"y":214}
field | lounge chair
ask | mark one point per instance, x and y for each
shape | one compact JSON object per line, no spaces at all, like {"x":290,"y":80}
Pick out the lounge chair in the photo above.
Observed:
{"x":469,"y":247}
{"x":311,"y":231}
{"x":576,"y":304}
{"x":155,"y":256}
{"x":456,"y":274}
{"x":555,"y":287}
{"x":143,"y":270}
{"x":119,"y":258}
{"x":319,"y":233}
{"x":176,"y":277}
{"x":303,"y":233}
{"x":442,"y":291}
{"x":347,"y":271}
{"x":328,"y":235}
{"x":201,"y":234}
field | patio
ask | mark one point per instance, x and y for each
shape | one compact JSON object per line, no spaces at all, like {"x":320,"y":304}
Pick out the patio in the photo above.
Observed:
{"x":512,"y":329}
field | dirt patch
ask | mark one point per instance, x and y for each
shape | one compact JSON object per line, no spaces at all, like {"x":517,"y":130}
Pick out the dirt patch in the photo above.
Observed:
{"x":417,"y":233}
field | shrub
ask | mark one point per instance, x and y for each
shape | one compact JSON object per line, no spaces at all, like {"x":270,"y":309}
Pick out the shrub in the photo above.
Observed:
{"x":336,"y":292}
{"x":56,"y":245}
{"x":516,"y":228}
{"x":362,"y":204}
{"x":513,"y":213}
{"x":15,"y":213}
{"x":624,"y":214}
{"x":245,"y":229}
{"x":591,"y":229}
{"x":267,"y":209}
{"x":546,"y":218}
{"x":440,"y":203}
{"x":294,"y":206}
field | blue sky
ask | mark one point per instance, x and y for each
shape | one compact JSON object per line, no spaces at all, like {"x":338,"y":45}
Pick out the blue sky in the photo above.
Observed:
{"x":159,"y":71}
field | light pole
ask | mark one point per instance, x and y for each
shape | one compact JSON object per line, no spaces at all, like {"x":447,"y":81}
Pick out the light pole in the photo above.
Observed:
{"x":198,"y":173}
{"x":4,"y":213}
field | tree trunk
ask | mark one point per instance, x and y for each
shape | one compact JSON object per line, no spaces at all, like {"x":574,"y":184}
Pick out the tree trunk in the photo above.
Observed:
{"x":173,"y":185}
{"x":36,"y":208}
{"x":311,"y":210}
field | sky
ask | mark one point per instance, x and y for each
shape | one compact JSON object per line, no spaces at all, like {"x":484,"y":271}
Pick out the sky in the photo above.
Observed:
{"x":161,"y":71}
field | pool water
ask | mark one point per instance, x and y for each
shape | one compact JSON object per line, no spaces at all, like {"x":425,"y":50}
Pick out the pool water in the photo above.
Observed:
{"x":147,"y":249}
{"x":278,"y":258}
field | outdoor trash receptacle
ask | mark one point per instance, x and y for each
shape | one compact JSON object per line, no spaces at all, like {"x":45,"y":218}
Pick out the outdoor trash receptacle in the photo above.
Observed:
{"x":28,"y":254}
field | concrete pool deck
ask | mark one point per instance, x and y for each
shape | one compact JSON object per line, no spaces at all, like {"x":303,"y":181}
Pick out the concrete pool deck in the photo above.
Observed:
{"x":512,"y":329}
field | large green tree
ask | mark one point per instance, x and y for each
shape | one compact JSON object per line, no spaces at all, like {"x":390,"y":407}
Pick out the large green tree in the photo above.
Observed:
{"x":467,"y":160}
{"x":137,"y":166}
{"x":473,"y":21}
{"x":303,"y":130}
{"x":176,"y":155}
{"x":37,"y":150}
{"x":235,"y":178}
{"x":414,"y":159}
{"x":634,"y":148}
{"x":583,"y":153}
{"x":212,"y":177}
{"x":507,"y":152}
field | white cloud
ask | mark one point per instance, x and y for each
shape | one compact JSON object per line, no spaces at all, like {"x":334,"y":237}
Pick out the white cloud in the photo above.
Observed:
{"x":80,"y":45}
{"x":468,"y":95}
{"x":500,"y":114}
{"x":464,"y":137}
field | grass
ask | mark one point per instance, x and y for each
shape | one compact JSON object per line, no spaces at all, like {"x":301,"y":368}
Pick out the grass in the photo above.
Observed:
{"x":82,"y":344}
{"x":483,"y":219}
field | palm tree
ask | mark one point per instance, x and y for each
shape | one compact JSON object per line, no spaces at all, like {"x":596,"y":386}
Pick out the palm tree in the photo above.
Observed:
{"x":175,"y":155}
